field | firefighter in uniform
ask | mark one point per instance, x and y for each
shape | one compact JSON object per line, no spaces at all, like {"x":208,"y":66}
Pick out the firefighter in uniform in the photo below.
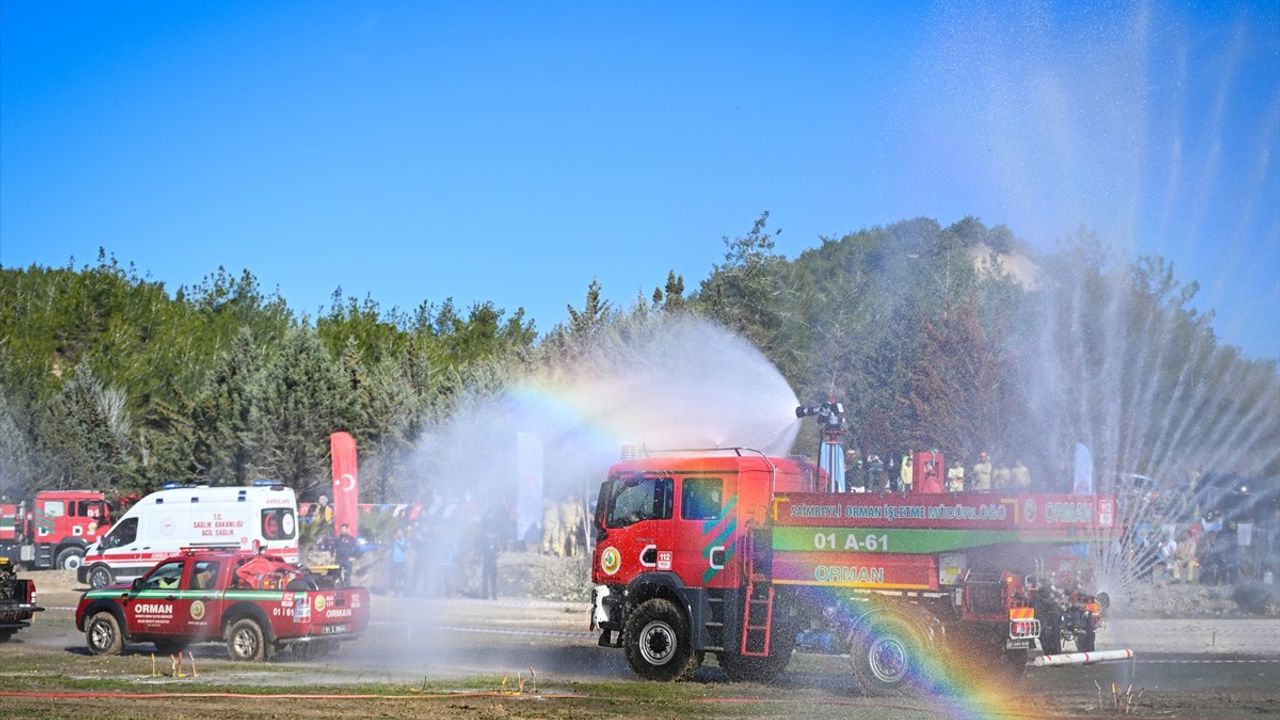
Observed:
{"x":1001,"y":478}
{"x":571,"y":516}
{"x":982,"y":473}
{"x":552,"y":534}
{"x":906,"y":478}
{"x":955,"y":477}
{"x":1021,"y":476}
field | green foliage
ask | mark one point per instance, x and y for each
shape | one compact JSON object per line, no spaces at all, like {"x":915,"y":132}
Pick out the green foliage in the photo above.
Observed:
{"x":961,"y":337}
{"x":298,"y":399}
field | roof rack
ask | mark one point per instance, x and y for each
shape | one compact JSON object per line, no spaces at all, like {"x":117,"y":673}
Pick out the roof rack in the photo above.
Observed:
{"x":739,"y":451}
{"x":208,"y":547}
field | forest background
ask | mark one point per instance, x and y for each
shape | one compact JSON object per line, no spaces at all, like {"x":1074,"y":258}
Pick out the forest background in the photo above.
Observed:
{"x":962,"y":338}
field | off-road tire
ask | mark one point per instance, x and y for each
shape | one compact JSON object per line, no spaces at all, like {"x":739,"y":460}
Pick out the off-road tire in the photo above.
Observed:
{"x":245,"y":641}
{"x":886,"y":654}
{"x":69,"y":558}
{"x":102,"y":634}
{"x":100,"y":576}
{"x":656,"y":642}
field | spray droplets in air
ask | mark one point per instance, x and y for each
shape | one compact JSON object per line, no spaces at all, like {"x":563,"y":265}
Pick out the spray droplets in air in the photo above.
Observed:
{"x":659,"y":383}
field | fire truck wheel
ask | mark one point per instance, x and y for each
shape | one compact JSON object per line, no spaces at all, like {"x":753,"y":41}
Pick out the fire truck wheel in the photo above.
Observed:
{"x":246,"y":642}
{"x":102,"y":634}
{"x":70,"y":559}
{"x":100,"y":577}
{"x":656,"y":642}
{"x":885,"y":654}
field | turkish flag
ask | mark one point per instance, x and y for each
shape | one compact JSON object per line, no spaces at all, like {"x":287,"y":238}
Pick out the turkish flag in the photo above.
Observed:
{"x":346,"y":494}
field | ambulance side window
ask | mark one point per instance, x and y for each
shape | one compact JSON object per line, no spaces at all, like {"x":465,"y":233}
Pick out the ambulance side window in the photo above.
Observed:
{"x":278,"y":524}
{"x":125,"y":532}
{"x":700,"y":498}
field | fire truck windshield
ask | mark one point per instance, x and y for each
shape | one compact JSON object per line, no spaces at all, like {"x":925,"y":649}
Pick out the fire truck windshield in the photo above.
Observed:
{"x":634,"y":498}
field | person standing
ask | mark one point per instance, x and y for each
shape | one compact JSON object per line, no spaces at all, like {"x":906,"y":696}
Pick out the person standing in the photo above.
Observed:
{"x":1021,"y":476}
{"x":1001,"y":477}
{"x":571,"y":519}
{"x":955,"y":477}
{"x":344,"y":552}
{"x":399,"y":559}
{"x":875,"y":474}
{"x":420,"y":539}
{"x":552,"y":535}
{"x":982,"y":473}
{"x":906,"y":476}
{"x":490,"y":546}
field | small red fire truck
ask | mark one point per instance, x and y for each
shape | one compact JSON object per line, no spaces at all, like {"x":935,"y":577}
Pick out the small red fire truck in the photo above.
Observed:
{"x":54,"y":529}
{"x":736,"y":553}
{"x":254,"y":602}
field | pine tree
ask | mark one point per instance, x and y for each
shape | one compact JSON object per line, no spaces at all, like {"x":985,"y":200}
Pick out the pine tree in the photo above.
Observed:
{"x":84,"y":434}
{"x":296,"y":403}
{"x":222,"y":413}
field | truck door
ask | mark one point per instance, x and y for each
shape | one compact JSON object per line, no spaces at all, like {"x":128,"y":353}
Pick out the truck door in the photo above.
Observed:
{"x":638,"y":525}
{"x":704,"y":534}
{"x":198,"y":611}
{"x":151,"y":608}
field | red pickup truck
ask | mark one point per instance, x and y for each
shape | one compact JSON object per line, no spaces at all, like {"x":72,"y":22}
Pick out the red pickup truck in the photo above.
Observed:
{"x":256,"y":603}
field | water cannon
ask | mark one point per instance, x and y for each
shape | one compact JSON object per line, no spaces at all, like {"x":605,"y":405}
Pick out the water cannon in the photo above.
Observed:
{"x":830,"y":415}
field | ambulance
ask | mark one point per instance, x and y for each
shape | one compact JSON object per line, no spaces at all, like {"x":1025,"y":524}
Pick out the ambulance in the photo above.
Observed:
{"x":169,"y":521}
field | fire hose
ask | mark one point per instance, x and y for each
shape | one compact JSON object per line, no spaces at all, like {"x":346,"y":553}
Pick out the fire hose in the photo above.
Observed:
{"x":1082,"y":658}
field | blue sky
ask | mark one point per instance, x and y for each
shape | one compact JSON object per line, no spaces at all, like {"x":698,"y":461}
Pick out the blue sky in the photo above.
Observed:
{"x":514,"y":151}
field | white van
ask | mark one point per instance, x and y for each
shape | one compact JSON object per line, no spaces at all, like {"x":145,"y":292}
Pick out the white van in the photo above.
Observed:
{"x":164,"y":522}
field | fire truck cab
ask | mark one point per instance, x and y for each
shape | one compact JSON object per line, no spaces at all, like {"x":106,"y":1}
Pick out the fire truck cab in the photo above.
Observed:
{"x":54,"y":529}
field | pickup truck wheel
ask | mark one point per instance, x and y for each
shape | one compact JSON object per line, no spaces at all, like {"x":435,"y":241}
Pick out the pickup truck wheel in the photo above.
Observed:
{"x":886,"y":654}
{"x":656,"y":642}
{"x":70,"y":559}
{"x":246,"y":641}
{"x":99,"y":577}
{"x":102,"y":634}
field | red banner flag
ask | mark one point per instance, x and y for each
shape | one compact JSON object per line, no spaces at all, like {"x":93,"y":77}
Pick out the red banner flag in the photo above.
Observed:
{"x":346,"y":494}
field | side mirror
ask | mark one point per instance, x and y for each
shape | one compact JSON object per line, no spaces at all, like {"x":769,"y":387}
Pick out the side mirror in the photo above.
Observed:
{"x":137,"y":584}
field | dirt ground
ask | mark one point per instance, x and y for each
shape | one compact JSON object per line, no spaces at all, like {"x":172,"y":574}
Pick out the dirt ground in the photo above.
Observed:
{"x":450,"y":657}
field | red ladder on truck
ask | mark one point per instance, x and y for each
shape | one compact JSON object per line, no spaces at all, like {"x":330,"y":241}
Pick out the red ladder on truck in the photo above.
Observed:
{"x":759,"y":599}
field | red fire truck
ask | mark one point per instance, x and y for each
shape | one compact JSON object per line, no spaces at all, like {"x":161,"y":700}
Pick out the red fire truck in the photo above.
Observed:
{"x":53,"y":530}
{"x":736,"y":553}
{"x":254,"y":602}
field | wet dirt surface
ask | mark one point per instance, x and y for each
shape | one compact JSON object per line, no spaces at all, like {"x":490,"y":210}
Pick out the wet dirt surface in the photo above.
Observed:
{"x":1184,"y":668}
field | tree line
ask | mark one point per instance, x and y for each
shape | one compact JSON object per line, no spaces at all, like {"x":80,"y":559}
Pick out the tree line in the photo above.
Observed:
{"x":960,"y":337}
